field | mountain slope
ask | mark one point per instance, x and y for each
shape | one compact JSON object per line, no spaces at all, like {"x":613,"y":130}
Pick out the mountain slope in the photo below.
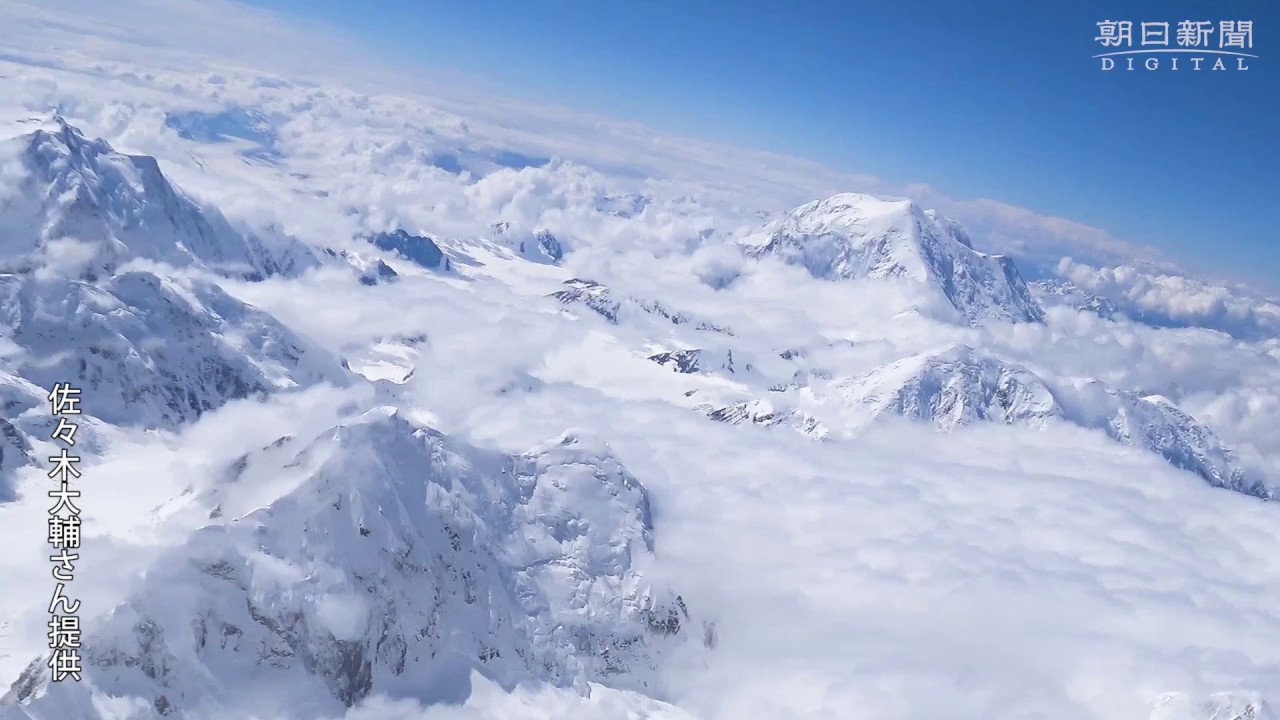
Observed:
{"x":958,"y":386}
{"x":1155,"y":423}
{"x":852,"y":236}
{"x":150,"y":351}
{"x":86,"y":209}
{"x":383,"y":557}
{"x":955,"y":386}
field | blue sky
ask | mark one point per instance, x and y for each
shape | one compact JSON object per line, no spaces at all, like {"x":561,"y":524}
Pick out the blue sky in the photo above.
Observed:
{"x":996,"y":99}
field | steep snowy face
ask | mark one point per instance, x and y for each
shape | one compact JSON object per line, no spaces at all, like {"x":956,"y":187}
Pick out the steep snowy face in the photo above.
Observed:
{"x":85,"y":209}
{"x":853,"y":236}
{"x":953,"y":387}
{"x":382,"y":557}
{"x":152,"y":352}
{"x":1155,"y":423}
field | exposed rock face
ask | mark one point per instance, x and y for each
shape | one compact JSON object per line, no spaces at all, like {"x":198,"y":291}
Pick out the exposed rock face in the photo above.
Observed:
{"x":696,"y":360}
{"x":592,"y":295}
{"x":417,"y":249}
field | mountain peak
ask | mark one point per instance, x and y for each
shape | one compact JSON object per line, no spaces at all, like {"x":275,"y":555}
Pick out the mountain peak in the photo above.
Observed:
{"x":855,"y":236}
{"x":412,"y":559}
{"x":54,"y":127}
{"x":852,"y":205}
{"x":84,"y":209}
{"x":953,"y":386}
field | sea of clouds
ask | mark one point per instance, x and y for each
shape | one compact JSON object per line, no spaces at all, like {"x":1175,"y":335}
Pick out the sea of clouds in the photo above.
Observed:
{"x":998,"y":572}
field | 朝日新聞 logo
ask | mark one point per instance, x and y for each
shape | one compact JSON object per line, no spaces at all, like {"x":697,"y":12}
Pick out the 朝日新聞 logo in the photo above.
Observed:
{"x":1190,"y":45}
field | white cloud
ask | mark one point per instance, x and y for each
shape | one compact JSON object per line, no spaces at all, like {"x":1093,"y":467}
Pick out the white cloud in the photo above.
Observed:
{"x":997,"y":572}
{"x":266,"y":46}
{"x":489,"y":702}
{"x":1166,"y":298}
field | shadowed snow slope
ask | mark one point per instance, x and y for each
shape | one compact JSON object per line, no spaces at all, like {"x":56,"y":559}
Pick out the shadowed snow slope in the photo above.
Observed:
{"x":853,"y":236}
{"x":383,"y":557}
{"x":151,"y":351}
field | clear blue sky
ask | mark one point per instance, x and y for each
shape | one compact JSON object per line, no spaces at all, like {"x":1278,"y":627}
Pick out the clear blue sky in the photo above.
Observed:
{"x":998,"y":98}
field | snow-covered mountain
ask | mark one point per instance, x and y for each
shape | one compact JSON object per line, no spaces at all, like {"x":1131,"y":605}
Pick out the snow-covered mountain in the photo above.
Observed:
{"x":853,"y":236}
{"x":538,"y":246}
{"x":382,"y":557}
{"x":955,"y":386}
{"x":87,"y":209}
{"x":609,"y":305}
{"x":698,"y":360}
{"x":915,"y":569}
{"x":152,"y":351}
{"x":1065,"y":293}
{"x":592,"y":295}
{"x":951,"y":388}
{"x":418,"y":249}
{"x":26,"y":427}
{"x":959,"y":385}
{"x":1155,"y":423}
{"x":767,"y":413}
